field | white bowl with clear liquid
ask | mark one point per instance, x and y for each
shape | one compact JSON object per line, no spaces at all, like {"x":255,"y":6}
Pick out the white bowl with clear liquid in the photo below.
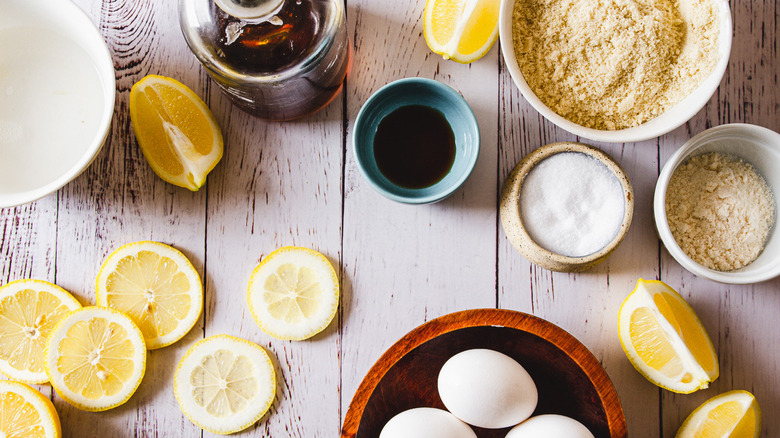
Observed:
{"x":57,"y":91}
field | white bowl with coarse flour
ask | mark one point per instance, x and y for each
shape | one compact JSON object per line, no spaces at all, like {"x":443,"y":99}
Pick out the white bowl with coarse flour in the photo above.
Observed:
{"x":58,"y":87}
{"x":595,"y":68}
{"x":755,"y":145}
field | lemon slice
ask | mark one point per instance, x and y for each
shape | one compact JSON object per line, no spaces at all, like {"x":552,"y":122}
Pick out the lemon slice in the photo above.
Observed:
{"x":293,"y":293}
{"x":734,"y":414}
{"x":29,"y":310}
{"x":664,"y":339}
{"x":95,"y":358}
{"x":461,"y":30}
{"x":224,"y":384}
{"x":26,"y":413}
{"x":176,"y":131}
{"x":156,"y":286}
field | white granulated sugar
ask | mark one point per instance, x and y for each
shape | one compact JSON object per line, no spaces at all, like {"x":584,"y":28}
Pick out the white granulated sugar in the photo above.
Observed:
{"x":571,"y":204}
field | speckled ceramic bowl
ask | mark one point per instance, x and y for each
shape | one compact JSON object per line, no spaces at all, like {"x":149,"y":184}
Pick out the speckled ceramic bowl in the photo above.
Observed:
{"x":511,"y":217}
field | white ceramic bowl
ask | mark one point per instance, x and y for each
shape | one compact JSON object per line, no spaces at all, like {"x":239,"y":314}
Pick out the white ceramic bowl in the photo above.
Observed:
{"x":669,"y":120}
{"x":57,"y":91}
{"x":757,"y":146}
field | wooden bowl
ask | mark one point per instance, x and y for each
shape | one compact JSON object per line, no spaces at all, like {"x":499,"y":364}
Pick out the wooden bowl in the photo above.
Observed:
{"x":570,"y":380}
{"x":511,"y":217}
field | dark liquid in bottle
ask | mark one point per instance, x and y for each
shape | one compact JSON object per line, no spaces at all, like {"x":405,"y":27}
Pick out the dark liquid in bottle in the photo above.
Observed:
{"x":294,"y":40}
{"x":414,"y":146}
{"x":266,"y":47}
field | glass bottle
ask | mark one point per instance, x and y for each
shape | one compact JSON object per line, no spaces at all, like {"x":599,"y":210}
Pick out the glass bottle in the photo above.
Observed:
{"x":276,"y":59}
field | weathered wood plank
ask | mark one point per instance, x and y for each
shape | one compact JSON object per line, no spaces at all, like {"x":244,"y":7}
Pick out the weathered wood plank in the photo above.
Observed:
{"x":279,"y":185}
{"x":404,"y":264}
{"x":119,"y":199}
{"x":584,"y":304}
{"x":741,"y":320}
{"x":28,"y":245}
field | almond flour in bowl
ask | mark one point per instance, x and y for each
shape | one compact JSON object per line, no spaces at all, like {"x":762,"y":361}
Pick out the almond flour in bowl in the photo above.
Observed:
{"x":614,"y":65}
{"x":720,"y":210}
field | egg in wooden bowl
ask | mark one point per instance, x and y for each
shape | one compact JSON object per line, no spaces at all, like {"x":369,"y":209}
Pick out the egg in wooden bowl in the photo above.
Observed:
{"x":570,"y":381}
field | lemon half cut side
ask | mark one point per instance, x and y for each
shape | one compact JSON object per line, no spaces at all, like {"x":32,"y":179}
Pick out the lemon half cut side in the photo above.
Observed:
{"x":176,"y":131}
{"x":665,"y":340}
{"x":224,"y":384}
{"x":461,"y":30}
{"x":29,"y":311}
{"x":734,"y":414}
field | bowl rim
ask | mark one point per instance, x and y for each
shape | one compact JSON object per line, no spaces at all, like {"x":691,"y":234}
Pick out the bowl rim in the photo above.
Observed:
{"x":525,"y":322}
{"x":511,"y":218}
{"x":659,"y":207}
{"x":454,"y":96}
{"x":626,"y":135}
{"x":76,"y":22}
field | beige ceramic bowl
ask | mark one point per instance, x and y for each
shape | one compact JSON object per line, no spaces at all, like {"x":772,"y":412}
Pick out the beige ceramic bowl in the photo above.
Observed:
{"x":512,"y":222}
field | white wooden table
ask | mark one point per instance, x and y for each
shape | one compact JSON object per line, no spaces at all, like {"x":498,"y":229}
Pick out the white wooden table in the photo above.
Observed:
{"x":297,"y":183}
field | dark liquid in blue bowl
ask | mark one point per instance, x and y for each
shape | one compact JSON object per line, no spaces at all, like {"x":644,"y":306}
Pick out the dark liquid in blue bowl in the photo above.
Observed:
{"x":414,"y":146}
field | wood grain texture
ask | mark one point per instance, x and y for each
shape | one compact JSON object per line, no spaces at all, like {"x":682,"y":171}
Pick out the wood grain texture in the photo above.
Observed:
{"x":119,"y":199}
{"x":407,"y":264}
{"x":739,"y":319}
{"x":297,"y":183}
{"x":278,"y":184}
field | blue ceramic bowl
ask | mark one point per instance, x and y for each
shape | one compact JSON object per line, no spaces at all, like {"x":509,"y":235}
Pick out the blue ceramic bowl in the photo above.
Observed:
{"x":417,"y":91}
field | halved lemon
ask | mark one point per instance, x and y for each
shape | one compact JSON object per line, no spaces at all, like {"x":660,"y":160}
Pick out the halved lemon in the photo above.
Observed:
{"x":156,"y":286}
{"x":29,"y":310}
{"x":461,"y":30}
{"x":664,"y":339}
{"x":95,"y":358}
{"x":224,"y":384}
{"x":26,"y":413}
{"x":293,"y":293}
{"x":176,"y":131}
{"x":734,"y":414}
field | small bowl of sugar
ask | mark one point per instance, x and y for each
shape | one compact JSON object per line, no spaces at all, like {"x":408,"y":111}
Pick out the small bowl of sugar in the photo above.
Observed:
{"x":714,"y":204}
{"x":567,"y":206}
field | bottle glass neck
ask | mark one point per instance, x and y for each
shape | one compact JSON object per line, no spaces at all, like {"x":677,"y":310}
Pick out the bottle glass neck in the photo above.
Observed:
{"x":250,"y":9}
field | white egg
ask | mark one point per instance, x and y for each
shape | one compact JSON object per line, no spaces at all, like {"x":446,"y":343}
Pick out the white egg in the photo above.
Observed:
{"x":550,"y":426}
{"x":487,"y":389}
{"x":426,"y":423}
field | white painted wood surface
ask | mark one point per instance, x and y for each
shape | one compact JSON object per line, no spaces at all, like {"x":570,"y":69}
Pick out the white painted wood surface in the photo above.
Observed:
{"x":297,"y":183}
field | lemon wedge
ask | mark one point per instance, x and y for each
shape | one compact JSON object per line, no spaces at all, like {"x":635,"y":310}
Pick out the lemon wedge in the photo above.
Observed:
{"x":461,"y":30}
{"x":176,"y":131}
{"x":224,"y":384}
{"x":734,"y":414}
{"x":29,"y":310}
{"x":26,"y":413}
{"x":156,"y":286}
{"x":293,"y":293}
{"x":95,"y":358}
{"x":664,"y":339}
